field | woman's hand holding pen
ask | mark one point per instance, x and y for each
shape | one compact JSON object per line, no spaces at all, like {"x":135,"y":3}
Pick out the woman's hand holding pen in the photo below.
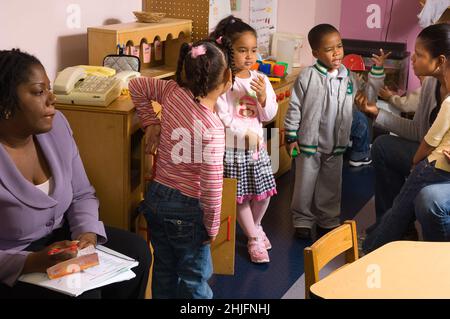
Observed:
{"x":259,"y":86}
{"x":151,"y":138}
{"x":51,"y":255}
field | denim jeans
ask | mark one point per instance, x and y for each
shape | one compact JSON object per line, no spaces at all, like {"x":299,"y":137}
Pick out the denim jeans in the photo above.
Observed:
{"x":360,"y":137}
{"x":392,"y":157}
{"x":183,"y":263}
{"x":396,"y":221}
{"x":432,"y":207}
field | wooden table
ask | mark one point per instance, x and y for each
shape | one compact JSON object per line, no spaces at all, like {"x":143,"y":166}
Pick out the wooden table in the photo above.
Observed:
{"x":401,"y":269}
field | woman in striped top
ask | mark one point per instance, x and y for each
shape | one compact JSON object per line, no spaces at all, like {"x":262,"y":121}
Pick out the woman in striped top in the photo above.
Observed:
{"x":182,"y":205}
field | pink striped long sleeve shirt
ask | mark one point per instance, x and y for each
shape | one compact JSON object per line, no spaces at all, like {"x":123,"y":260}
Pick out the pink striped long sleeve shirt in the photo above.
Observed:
{"x":190,"y":153}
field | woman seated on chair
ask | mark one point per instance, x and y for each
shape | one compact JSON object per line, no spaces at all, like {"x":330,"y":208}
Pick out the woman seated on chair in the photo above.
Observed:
{"x":46,"y":199}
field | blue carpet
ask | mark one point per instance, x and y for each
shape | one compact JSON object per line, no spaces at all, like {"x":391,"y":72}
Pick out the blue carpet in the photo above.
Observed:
{"x":271,"y":281}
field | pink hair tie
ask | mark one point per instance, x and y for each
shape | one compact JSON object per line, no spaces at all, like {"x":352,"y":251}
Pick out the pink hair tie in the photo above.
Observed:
{"x":219,"y":40}
{"x":197,"y":51}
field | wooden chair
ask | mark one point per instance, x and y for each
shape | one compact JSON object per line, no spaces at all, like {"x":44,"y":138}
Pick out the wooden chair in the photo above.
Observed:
{"x":339,"y":240}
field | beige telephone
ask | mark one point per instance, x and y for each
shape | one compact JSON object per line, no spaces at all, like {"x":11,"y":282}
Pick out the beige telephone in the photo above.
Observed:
{"x":125,"y":77}
{"x":73,"y":85}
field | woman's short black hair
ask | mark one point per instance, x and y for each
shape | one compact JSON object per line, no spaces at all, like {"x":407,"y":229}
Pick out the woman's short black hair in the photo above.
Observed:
{"x":436,"y":39}
{"x":15,"y":67}
{"x":201,"y":73}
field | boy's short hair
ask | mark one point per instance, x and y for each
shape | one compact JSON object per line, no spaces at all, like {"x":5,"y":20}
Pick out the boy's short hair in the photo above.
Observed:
{"x":317,"y":33}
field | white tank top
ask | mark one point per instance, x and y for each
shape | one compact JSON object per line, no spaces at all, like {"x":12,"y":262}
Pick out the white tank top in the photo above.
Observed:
{"x":46,"y":187}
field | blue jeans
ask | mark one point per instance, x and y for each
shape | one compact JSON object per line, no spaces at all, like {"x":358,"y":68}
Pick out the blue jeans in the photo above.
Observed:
{"x":360,"y":137}
{"x":183,"y":263}
{"x":432,"y":207}
{"x":392,"y":157}
{"x":396,"y":221}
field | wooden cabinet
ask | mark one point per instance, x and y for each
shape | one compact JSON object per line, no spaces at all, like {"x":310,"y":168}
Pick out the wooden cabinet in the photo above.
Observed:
{"x":109,"y":141}
{"x":283,"y":92}
{"x":169,"y":32}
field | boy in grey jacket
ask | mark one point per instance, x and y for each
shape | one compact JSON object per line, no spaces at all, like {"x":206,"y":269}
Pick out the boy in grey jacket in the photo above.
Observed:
{"x":317,"y":124}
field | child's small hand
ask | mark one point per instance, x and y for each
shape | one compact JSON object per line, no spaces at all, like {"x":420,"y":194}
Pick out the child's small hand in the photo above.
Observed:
{"x":251,"y":140}
{"x":378,"y":60}
{"x":259,"y":86}
{"x":210,"y":240}
{"x":151,"y":138}
{"x":290,"y":148}
{"x":364,"y":106}
{"x":385,"y":93}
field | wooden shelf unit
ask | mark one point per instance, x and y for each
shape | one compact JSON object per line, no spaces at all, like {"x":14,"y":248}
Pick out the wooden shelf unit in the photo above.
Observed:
{"x":109,"y":141}
{"x":104,"y":40}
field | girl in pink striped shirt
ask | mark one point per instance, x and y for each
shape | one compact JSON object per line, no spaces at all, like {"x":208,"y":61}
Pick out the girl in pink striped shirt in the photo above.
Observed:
{"x":182,"y":205}
{"x":250,"y":102}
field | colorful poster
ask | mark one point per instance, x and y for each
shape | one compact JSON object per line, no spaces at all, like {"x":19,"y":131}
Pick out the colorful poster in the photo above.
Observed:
{"x":218,"y":9}
{"x":263,"y":17}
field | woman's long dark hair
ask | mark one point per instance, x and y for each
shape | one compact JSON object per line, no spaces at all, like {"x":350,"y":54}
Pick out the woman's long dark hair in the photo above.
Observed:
{"x":436,"y":39}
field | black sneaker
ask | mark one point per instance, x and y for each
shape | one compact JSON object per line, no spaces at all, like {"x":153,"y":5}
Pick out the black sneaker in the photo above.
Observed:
{"x":303,"y":232}
{"x":361,"y":162}
{"x":322,"y":231}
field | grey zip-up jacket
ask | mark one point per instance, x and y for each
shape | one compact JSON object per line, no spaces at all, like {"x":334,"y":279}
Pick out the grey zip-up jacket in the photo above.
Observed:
{"x":415,"y":129}
{"x":310,"y":93}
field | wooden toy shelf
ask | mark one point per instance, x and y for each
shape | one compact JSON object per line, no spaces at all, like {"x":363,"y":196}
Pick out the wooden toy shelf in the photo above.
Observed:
{"x":169,"y":31}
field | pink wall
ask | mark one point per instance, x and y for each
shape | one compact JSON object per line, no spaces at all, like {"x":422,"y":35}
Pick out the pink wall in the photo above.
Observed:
{"x":41,"y":28}
{"x":300,"y":16}
{"x":403,"y":27}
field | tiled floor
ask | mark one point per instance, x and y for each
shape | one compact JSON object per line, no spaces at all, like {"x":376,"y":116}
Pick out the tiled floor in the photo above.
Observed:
{"x":273,"y":280}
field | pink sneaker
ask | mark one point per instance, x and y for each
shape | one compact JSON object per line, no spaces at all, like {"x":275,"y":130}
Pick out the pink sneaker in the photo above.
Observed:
{"x":257,"y":251}
{"x":264,"y":237}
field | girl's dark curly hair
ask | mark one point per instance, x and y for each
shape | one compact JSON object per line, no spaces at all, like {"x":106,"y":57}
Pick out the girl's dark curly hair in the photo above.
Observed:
{"x":15,"y":67}
{"x":227,"y":31}
{"x":203,"y":73}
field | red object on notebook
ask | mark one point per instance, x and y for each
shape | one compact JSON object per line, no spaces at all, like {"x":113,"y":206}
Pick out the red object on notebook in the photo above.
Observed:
{"x":73,"y":265}
{"x":55,"y":251}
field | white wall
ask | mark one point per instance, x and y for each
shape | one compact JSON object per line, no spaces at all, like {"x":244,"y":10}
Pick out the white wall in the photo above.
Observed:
{"x":40,"y":27}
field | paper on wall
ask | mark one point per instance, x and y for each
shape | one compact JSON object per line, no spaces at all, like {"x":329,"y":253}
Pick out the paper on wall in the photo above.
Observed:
{"x":263,"y":17}
{"x":218,"y":9}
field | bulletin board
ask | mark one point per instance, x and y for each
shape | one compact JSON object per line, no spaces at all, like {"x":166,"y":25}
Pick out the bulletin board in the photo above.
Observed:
{"x":263,"y":17}
{"x":195,"y":10}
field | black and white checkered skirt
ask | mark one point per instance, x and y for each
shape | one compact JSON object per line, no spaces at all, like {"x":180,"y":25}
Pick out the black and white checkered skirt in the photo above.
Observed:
{"x":253,"y":171}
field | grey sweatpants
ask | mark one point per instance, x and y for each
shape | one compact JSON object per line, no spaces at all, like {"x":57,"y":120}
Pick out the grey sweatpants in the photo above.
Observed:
{"x":317,"y":190}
